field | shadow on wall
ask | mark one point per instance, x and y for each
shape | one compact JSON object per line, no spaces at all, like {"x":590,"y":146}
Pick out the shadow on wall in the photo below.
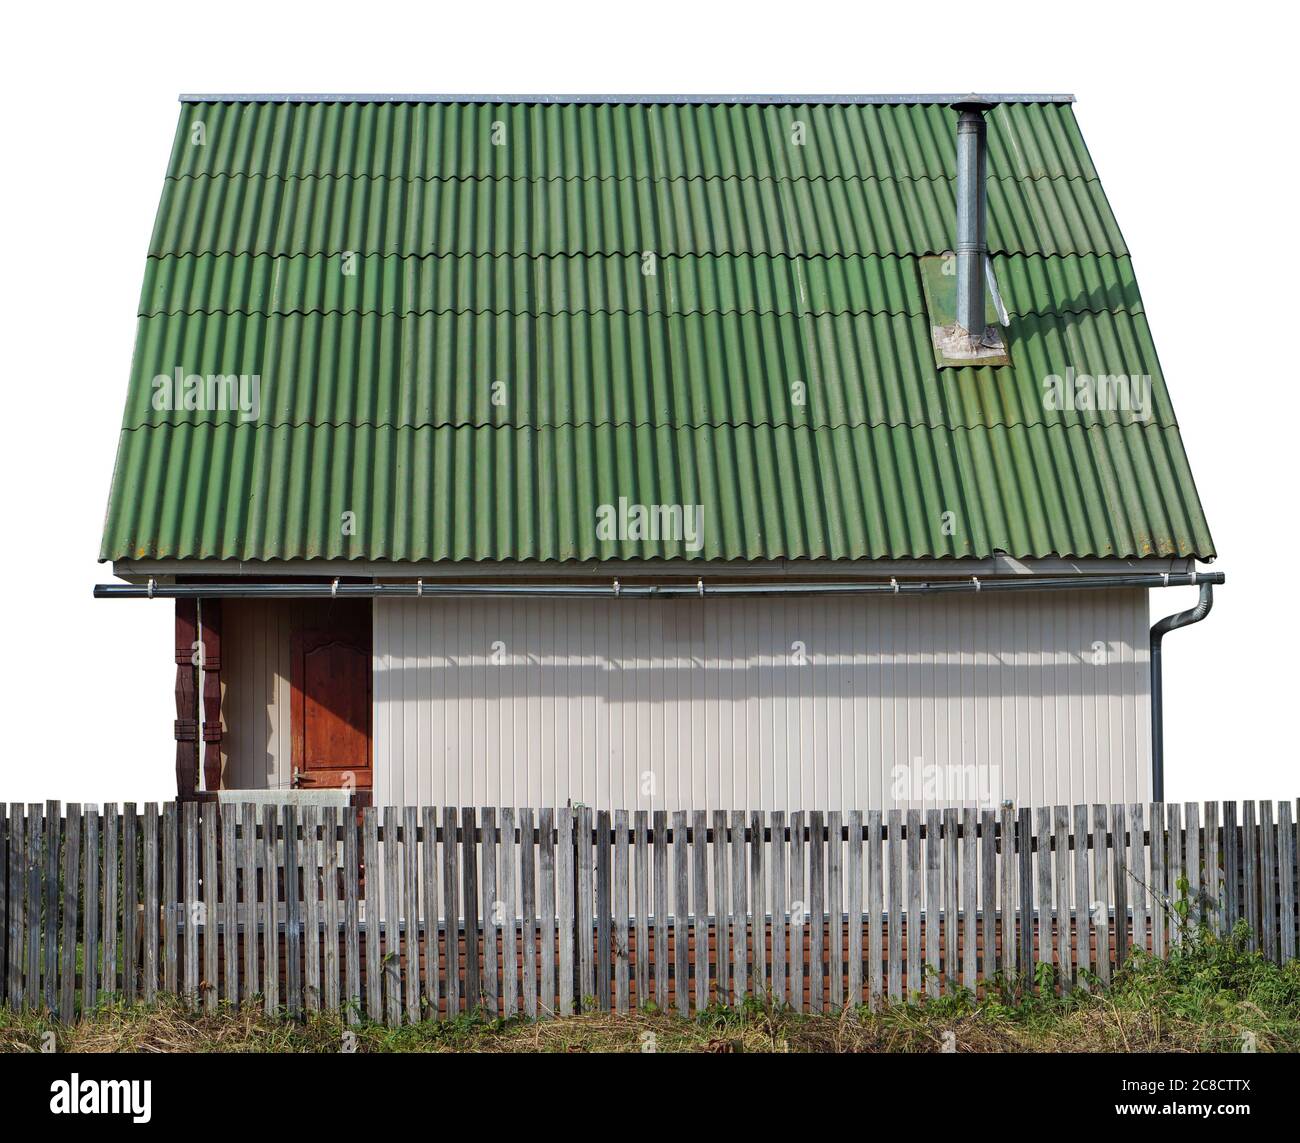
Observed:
{"x":942,"y":648}
{"x":702,"y":680}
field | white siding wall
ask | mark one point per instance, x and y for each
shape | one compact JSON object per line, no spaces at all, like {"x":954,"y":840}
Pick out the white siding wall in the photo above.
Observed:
{"x":1040,"y":699}
{"x":255,"y":695}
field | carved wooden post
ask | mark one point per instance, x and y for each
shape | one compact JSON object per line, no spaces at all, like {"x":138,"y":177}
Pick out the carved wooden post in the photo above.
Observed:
{"x":186,"y":730}
{"x":210,"y":635}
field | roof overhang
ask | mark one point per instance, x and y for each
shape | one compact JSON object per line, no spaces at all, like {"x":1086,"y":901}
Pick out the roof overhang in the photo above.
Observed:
{"x":669,"y":589}
{"x":142,"y":571}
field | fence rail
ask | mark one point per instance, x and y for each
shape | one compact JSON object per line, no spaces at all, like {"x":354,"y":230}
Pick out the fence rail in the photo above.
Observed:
{"x":406,"y":914}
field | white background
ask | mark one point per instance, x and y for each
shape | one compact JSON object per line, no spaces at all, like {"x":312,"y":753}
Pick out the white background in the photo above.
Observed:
{"x":1191,"y":120}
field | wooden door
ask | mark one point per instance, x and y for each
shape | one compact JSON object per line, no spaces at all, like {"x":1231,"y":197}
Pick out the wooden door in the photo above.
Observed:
{"x":330,"y":683}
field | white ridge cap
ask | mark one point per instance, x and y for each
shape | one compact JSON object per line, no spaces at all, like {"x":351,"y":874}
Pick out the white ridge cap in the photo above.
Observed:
{"x":489,"y":98}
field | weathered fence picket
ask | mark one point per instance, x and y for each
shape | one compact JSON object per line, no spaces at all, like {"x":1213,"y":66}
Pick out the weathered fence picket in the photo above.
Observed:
{"x":351,"y":919}
{"x":131,"y":903}
{"x":1082,"y":895}
{"x":171,"y":915}
{"x":390,"y":926}
{"x":1139,"y":878}
{"x":933,"y":900}
{"x":71,"y":898}
{"x":951,"y":900}
{"x":603,"y":909}
{"x":1100,"y":904}
{"x":270,"y":863}
{"x":758,"y":899}
{"x":508,"y":910}
{"x":970,"y":899}
{"x":780,"y":916}
{"x":564,"y":865}
{"x":248,"y":862}
{"x":546,"y":879}
{"x":700,"y":925}
{"x":15,"y":858}
{"x":33,"y":862}
{"x":1250,"y":868}
{"x":108,"y":875}
{"x":894,"y":903}
{"x":152,"y":907}
{"x":586,"y":905}
{"x":988,"y":892}
{"x":1043,"y":835}
{"x":90,"y":913}
{"x":209,"y":922}
{"x":1007,"y":888}
{"x":415,"y":914}
{"x":1268,"y":881}
{"x":834,"y":883}
{"x":53,"y":833}
{"x":681,"y":899}
{"x":527,"y":912}
{"x":854,"y":918}
{"x":292,"y":911}
{"x":472,"y":982}
{"x":330,"y":906}
{"x":721,"y":961}
{"x":914,"y":898}
{"x":491,"y":914}
{"x":1120,"y":885}
{"x":1061,"y":840}
{"x":450,"y":900}
{"x":816,"y":914}
{"x":641,"y":903}
{"x":659,"y":858}
{"x":311,"y":913}
{"x":1208,"y":873}
{"x":875,"y":905}
{"x":739,"y":918}
{"x":1157,"y":853}
{"x":1286,"y":863}
{"x":622,"y":913}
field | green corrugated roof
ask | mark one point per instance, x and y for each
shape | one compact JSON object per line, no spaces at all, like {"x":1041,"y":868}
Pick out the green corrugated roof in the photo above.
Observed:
{"x":458,"y":342}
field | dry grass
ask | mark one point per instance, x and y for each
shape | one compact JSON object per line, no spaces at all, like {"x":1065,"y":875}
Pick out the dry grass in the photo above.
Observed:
{"x":1210,"y":995}
{"x":1094,"y":1025}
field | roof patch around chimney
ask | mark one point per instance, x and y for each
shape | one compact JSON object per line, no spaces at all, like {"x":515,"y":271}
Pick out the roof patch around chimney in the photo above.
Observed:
{"x":953,"y":346}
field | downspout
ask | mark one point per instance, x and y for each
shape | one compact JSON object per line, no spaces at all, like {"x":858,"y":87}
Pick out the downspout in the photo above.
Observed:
{"x":1158,"y":633}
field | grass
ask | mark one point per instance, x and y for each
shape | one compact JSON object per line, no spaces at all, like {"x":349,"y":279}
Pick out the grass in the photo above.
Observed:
{"x":1210,"y":994}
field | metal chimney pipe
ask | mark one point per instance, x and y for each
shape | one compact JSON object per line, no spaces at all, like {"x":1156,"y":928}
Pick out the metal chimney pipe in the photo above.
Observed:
{"x":972,"y":246}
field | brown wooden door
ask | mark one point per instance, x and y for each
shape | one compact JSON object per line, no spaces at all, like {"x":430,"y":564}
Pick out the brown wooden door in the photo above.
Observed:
{"x":330,"y":680}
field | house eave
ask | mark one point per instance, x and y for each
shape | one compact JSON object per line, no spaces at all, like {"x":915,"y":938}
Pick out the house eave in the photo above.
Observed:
{"x":141,"y":571}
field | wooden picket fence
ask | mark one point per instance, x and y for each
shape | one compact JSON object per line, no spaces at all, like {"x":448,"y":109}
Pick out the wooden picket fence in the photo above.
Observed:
{"x":406,"y":914}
